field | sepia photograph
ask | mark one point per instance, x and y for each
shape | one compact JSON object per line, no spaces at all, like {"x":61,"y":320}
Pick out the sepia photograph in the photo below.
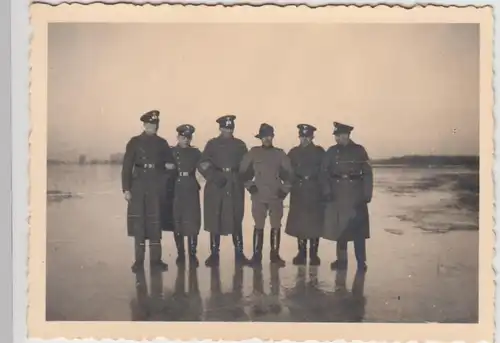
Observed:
{"x":259,"y":171}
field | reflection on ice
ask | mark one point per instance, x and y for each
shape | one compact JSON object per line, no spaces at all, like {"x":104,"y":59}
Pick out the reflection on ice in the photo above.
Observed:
{"x":412,"y":277}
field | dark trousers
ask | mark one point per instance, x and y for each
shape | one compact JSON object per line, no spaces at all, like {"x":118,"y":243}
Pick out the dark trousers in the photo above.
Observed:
{"x":359,"y":250}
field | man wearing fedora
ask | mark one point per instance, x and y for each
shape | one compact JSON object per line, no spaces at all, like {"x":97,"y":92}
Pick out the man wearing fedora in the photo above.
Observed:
{"x":271,"y":171}
{"x":147,"y":166}
{"x":224,"y":194}
{"x":347,"y":184}
{"x":305,"y":215}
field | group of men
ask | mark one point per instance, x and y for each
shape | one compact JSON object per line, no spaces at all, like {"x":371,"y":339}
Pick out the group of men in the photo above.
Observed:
{"x":329,"y":193}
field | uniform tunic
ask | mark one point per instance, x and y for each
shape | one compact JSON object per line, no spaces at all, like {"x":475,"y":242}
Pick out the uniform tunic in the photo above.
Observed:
{"x":272,"y":172}
{"x":187,"y":210}
{"x":305,"y":215}
{"x":147,"y":185}
{"x":346,"y":174}
{"x":223,"y":206}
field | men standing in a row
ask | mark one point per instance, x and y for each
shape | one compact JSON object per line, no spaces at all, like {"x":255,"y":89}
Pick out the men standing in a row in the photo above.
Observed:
{"x":187,"y":210}
{"x":147,"y":165}
{"x":272,"y":172}
{"x":347,"y":182}
{"x":224,"y":193}
{"x":305,"y":216}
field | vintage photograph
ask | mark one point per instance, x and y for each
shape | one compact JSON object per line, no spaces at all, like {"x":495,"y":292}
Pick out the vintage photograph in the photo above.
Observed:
{"x":264,"y":172}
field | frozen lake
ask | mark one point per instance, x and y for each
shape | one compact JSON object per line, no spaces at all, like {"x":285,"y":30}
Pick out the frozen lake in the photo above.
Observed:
{"x":422,"y":259}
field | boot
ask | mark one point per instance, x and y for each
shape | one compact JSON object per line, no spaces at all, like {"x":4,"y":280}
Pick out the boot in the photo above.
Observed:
{"x":239,"y":255}
{"x":341,"y":262}
{"x":314,"y":259}
{"x":193,"y":244}
{"x":179,"y":243}
{"x":139,"y":252}
{"x":258,"y":242}
{"x":214,"y":258}
{"x":301,"y":257}
{"x":275,"y":248}
{"x":360,"y":252}
{"x":155,"y":256}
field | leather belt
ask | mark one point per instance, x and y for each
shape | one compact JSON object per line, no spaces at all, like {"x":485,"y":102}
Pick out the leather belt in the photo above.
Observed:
{"x":347,"y":176}
{"x":150,"y":166}
{"x":228,"y":170}
{"x":184,"y":174}
{"x":307,"y":177}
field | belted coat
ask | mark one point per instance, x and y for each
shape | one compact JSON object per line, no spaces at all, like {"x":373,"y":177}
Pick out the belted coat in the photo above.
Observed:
{"x":305,"y":214}
{"x":186,"y":207}
{"x":346,"y":177}
{"x":224,"y":192}
{"x":145,"y":176}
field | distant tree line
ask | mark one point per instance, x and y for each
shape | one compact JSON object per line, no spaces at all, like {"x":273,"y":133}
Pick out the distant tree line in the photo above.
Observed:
{"x":407,"y":160}
{"x":430,"y":161}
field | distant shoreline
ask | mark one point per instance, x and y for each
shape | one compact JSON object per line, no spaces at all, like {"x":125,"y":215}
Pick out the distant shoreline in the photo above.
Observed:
{"x":407,"y":161}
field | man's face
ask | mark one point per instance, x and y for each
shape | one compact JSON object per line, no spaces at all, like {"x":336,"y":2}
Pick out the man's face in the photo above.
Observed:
{"x":150,"y":128}
{"x":183,"y":141}
{"x":267,"y":141}
{"x":342,"y":138}
{"x":225,"y":132}
{"x":305,"y":141}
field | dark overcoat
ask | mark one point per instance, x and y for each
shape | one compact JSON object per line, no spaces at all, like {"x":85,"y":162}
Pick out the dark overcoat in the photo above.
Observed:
{"x":167,"y":207}
{"x":305,"y":214}
{"x":187,"y":210}
{"x":346,"y":175}
{"x":147,"y":185}
{"x":223,"y":208}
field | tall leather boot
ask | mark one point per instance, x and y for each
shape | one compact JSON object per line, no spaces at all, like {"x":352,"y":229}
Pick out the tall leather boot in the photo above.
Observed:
{"x":341,"y":262}
{"x":314,"y":259}
{"x":192,"y":246}
{"x":179,"y":243}
{"x":155,"y":256}
{"x":360,"y":253}
{"x":239,"y":255}
{"x":140,"y":253}
{"x":275,"y":248}
{"x":214,"y":258}
{"x":258,"y":243}
{"x":301,"y":257}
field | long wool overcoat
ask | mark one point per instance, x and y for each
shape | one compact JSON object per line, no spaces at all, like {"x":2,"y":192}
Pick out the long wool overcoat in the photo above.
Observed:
{"x":223,"y":206}
{"x":346,"y":175}
{"x":187,"y":207}
{"x":148,"y":186}
{"x":305,"y":214}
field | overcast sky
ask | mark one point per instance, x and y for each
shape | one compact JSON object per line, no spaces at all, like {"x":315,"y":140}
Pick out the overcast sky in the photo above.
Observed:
{"x":406,"y":88}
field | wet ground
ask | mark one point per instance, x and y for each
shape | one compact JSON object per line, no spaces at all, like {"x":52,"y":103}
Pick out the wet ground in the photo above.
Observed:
{"x":422,"y":258}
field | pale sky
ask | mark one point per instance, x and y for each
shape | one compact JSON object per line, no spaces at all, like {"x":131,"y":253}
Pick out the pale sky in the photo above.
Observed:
{"x":406,"y":88}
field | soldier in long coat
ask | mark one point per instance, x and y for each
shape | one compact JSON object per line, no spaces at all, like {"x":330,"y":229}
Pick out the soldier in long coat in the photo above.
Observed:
{"x":224,"y":193}
{"x":187,"y":207}
{"x":147,"y":165}
{"x":347,"y":183}
{"x":305,"y":215}
{"x":272,"y":171}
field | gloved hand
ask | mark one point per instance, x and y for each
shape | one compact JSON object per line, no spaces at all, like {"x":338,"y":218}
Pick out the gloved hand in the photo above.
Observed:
{"x":282,"y":195}
{"x":253,"y":189}
{"x":220,"y":181}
